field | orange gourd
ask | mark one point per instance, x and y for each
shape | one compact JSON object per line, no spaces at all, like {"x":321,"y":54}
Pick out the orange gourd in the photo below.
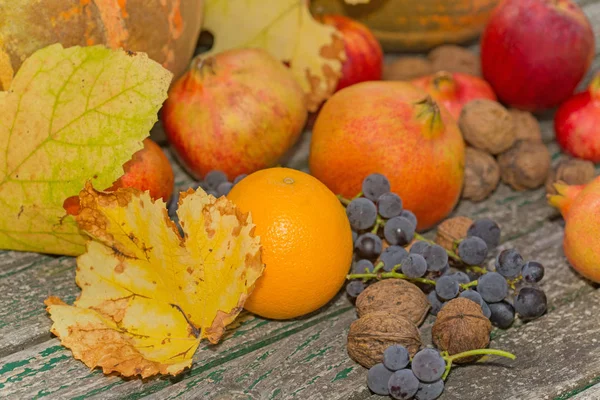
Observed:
{"x":411,"y":25}
{"x":165,"y":29}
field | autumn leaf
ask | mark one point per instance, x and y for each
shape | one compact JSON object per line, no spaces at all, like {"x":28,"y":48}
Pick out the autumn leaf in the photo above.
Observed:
{"x":149,"y":296}
{"x":70,"y":115}
{"x":287,"y":30}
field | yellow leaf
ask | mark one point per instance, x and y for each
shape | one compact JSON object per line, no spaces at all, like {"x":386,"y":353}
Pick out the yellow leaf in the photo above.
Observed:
{"x":70,"y":115}
{"x":149,"y":296}
{"x":287,"y":30}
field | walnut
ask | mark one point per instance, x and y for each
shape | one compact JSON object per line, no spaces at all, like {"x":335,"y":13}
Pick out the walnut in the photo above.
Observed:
{"x":453,"y":58}
{"x":525,"y":165}
{"x":452,"y":230}
{"x":571,"y":171}
{"x":527,"y":126}
{"x":486,"y":125}
{"x":396,"y":296}
{"x":371,"y":334}
{"x":407,"y":68}
{"x":482,"y":174}
{"x":461,"y":326}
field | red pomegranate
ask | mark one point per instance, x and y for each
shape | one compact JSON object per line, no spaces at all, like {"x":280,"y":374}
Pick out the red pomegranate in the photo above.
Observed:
{"x":454,"y":90}
{"x":577,"y":121}
{"x":535,"y":52}
{"x":364,"y":56}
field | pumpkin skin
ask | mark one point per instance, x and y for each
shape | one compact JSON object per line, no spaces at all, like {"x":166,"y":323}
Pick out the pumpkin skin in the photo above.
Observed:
{"x":411,"y":25}
{"x":167,"y":30}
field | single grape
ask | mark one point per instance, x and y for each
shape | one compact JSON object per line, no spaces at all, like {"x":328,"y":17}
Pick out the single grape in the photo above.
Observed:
{"x":389,"y":205}
{"x":460,"y":277}
{"x":392,"y":256}
{"x":485,"y":308}
{"x":214,"y":178}
{"x":472,"y":250}
{"x":362,"y":267}
{"x":487,"y":230}
{"x":398,"y":230}
{"x":532,"y":272}
{"x":503,"y":314}
{"x":368,"y":245}
{"x":472,"y":295}
{"x":419,"y":247}
{"x":403,"y":384}
{"x":434,"y":301}
{"x":224,"y":188}
{"x":355,"y":287}
{"x":436,"y":257}
{"x":361,"y":213}
{"x":375,"y":185}
{"x":447,"y":288}
{"x":414,"y":266}
{"x":396,"y":357}
{"x":428,"y":365}
{"x":409,"y":215}
{"x":509,"y":263}
{"x":378,"y":378}
{"x":239,"y":178}
{"x":530,"y":303}
{"x":492,"y":287}
{"x":430,"y":391}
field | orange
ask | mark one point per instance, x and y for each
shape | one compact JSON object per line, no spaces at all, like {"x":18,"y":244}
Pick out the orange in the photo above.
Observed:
{"x":305,"y":237}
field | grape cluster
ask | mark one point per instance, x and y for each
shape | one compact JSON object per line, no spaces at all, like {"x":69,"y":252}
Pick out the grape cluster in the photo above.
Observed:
{"x":378,"y":219}
{"x":215,"y":183}
{"x":403,"y":378}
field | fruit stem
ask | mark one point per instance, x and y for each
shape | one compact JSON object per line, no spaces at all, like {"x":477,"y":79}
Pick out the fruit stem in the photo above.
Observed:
{"x":444,"y":82}
{"x":428,"y":112}
{"x":468,"y":285}
{"x":343,"y":200}
{"x":387,"y":275}
{"x":201,"y":66}
{"x":594,"y":87}
{"x":564,"y":198}
{"x":479,"y":352}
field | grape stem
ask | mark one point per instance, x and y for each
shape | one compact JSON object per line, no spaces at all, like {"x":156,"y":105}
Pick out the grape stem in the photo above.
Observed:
{"x":343,"y":200}
{"x":468,"y":285}
{"x":479,"y":352}
{"x":386,"y":275}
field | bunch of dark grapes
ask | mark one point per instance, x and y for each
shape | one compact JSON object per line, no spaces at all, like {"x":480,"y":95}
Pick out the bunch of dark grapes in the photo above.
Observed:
{"x":215,"y":183}
{"x":378,"y":215}
{"x":401,"y":378}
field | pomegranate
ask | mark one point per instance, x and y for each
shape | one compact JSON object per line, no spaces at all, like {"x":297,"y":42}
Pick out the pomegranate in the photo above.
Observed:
{"x":237,"y":111}
{"x":398,"y":130}
{"x":148,"y":170}
{"x":576,"y":123}
{"x":364,"y":56}
{"x":580,"y":206}
{"x":454,"y":90}
{"x":535,"y":52}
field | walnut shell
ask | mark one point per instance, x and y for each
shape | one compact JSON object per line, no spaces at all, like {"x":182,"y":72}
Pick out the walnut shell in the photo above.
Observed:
{"x":371,"y":334}
{"x":453,"y":58}
{"x":527,"y":126}
{"x":461,"y":326}
{"x":571,"y":171}
{"x":487,"y":125}
{"x":407,"y":68}
{"x":452,"y":230}
{"x":525,"y":165}
{"x":395,"y":296}
{"x":482,"y":175}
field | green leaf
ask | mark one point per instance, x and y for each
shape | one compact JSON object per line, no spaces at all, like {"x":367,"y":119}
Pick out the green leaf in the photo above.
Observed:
{"x":71,"y":115}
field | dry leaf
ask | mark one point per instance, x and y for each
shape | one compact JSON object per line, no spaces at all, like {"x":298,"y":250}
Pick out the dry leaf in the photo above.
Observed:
{"x":287,"y":30}
{"x":70,"y":115}
{"x":148,"y":295}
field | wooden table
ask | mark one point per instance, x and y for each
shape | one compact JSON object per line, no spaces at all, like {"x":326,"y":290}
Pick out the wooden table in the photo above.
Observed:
{"x":558,"y":355}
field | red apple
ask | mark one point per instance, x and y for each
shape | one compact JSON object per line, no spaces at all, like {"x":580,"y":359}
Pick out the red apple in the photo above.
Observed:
{"x":364,"y":56}
{"x":576,"y":124}
{"x":535,"y":52}
{"x":454,"y":90}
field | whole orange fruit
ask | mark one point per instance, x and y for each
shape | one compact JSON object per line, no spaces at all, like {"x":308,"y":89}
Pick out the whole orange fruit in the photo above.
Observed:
{"x":305,"y":237}
{"x":397,"y":130}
